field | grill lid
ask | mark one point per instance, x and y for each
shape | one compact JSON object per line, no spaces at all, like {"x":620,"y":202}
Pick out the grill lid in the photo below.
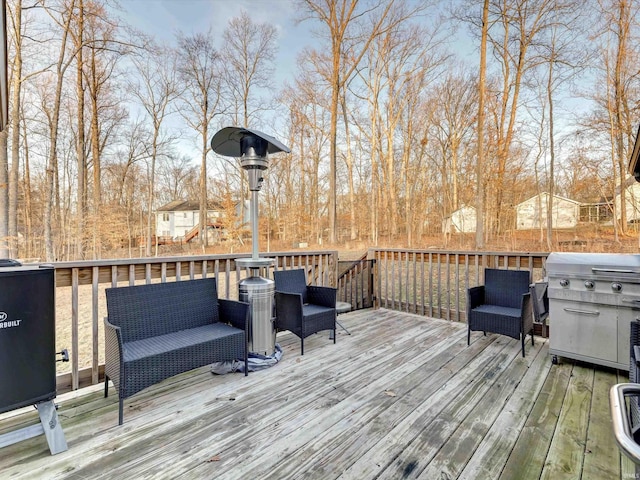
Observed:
{"x":583,"y":265}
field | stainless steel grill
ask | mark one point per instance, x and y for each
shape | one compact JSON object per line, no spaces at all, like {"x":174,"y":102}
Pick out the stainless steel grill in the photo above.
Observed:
{"x":593,"y":297}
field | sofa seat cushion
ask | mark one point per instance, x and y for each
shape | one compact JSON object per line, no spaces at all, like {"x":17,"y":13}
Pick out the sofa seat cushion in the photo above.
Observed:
{"x":182,"y":339}
{"x":498,"y":310}
{"x":496,"y":319}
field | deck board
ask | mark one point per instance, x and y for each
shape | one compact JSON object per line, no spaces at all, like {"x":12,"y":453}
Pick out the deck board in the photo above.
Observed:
{"x":497,"y":444}
{"x":566,"y":454}
{"x":402,"y":397}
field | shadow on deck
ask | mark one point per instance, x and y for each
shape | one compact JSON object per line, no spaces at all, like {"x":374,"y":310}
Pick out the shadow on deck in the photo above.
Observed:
{"x":402,"y":397}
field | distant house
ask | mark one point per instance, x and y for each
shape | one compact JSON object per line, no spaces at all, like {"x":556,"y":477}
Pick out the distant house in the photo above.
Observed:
{"x":462,"y":220}
{"x":632,"y":198}
{"x":532,"y":213}
{"x":179,"y":221}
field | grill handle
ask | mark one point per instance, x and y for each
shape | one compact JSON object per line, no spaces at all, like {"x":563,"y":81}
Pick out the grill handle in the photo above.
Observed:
{"x":582,"y":312}
{"x":621,"y":422}
{"x":611,"y":270}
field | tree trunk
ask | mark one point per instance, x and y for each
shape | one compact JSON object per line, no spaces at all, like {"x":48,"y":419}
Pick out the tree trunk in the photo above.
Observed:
{"x":480,"y":135}
{"x":552,"y":156}
{"x":4,"y":196}
{"x":333,"y":139}
{"x":204,"y":239}
{"x":14,"y":120}
{"x":80,"y":141}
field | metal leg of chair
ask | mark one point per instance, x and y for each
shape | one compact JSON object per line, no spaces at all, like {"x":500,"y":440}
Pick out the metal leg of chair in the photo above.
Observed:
{"x":301,"y":346}
{"x":106,"y":386}
{"x":523,"y":337}
{"x":343,"y":327}
{"x":121,"y":412}
{"x":468,"y":336}
{"x":332,"y":332}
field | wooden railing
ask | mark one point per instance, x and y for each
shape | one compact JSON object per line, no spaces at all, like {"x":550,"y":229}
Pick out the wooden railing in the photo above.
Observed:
{"x":426,"y":282}
{"x":434,"y":283}
{"x":80,"y":299}
{"x":356,"y":282}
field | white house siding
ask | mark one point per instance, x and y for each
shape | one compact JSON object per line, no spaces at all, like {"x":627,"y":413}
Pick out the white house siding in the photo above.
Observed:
{"x":462,"y":220}
{"x":183,"y":222}
{"x":632,"y":197}
{"x":532,"y":213}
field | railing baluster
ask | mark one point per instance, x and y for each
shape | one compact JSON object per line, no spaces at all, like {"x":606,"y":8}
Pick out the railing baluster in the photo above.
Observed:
{"x":430,"y":284}
{"x":75,"y":344}
{"x":94,"y":325}
{"x":457,"y":284}
{"x":422,"y":283}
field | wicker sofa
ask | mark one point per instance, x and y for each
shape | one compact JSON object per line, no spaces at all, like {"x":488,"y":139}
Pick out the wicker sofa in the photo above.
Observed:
{"x":155,"y":331}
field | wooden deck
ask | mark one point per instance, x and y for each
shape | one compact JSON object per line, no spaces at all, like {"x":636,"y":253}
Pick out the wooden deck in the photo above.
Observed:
{"x":402,"y":397}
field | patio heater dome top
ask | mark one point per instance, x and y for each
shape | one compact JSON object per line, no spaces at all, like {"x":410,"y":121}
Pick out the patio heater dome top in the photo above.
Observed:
{"x":234,"y":141}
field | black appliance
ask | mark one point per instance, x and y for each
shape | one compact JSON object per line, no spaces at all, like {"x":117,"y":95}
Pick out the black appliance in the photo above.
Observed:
{"x":27,"y":335}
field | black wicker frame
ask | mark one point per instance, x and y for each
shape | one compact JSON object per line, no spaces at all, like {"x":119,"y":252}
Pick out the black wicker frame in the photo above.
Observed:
{"x":156,"y":331}
{"x":502,"y":305}
{"x":303,"y":309}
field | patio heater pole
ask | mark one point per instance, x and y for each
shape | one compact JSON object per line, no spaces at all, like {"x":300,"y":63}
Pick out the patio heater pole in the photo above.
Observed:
{"x":253,"y":147}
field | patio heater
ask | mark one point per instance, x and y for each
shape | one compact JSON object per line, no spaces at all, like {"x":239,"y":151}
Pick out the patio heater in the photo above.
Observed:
{"x":253,"y":147}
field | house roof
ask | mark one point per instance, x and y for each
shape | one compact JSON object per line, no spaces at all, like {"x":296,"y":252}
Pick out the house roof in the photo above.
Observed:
{"x":463,"y":209}
{"x":186,"y":206}
{"x":546,"y":194}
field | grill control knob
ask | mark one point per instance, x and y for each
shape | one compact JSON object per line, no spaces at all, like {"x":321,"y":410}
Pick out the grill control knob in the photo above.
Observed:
{"x":564,"y":282}
{"x":588,"y":284}
{"x":616,"y":287}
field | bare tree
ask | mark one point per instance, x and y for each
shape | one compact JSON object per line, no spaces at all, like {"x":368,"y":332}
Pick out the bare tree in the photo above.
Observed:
{"x":619,"y":59}
{"x":349,"y":37}
{"x":51,"y":107}
{"x":250,"y":50}
{"x":564,"y":57}
{"x":156,"y":89}
{"x":177,"y":177}
{"x":200,"y":71}
{"x":104,"y":50}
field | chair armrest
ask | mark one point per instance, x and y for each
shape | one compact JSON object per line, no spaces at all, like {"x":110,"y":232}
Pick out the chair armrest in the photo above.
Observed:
{"x":527,"y":313}
{"x":113,"y":354}
{"x":636,"y":355}
{"x":475,"y":297}
{"x":323,"y":296}
{"x":112,"y":336}
{"x":234,"y":313}
{"x":288,"y":310}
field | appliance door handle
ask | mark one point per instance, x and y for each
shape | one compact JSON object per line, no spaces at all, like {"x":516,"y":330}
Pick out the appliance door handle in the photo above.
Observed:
{"x":582,"y":312}
{"x":611,"y":270}
{"x":620,"y":418}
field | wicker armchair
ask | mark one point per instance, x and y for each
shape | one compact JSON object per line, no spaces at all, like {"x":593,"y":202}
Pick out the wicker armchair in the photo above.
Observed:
{"x":303,"y":309}
{"x":502,"y":305}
